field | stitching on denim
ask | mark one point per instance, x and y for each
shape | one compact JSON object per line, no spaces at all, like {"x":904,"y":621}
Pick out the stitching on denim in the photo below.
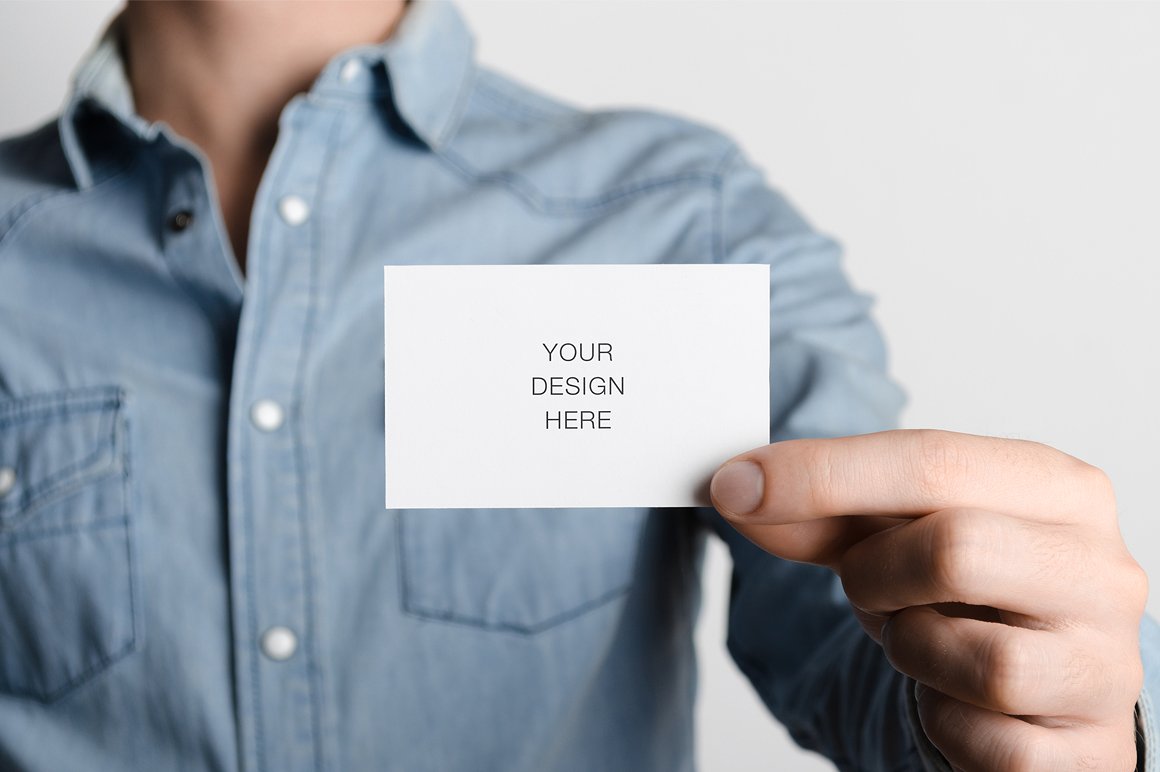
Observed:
{"x":45,"y":485}
{"x":561,"y":205}
{"x":106,"y":661}
{"x":437,"y":615}
{"x":87,"y":466}
{"x":247,"y":513}
{"x":485,"y":86}
{"x":417,"y":609}
{"x":314,"y":673}
{"x":65,"y":489}
{"x":79,"y":679}
{"x":258,"y":320}
{"x":68,"y":530}
{"x":67,"y":480}
{"x":136,"y":618}
{"x":256,"y":335}
{"x":247,"y":516}
{"x":17,"y":219}
{"x":91,"y":671}
{"x":66,"y":401}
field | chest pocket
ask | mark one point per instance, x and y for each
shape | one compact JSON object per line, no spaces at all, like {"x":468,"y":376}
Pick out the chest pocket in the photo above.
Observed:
{"x":67,"y":606}
{"x":516,"y":570}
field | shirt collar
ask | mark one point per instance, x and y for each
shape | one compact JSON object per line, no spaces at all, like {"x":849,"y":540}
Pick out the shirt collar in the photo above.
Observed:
{"x":428,"y":60}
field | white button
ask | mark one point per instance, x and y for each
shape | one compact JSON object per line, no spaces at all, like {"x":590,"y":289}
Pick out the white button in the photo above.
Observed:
{"x":279,"y":643}
{"x":293,"y":210}
{"x":350,"y":71}
{"x":267,"y":415}
{"x":7,"y":479}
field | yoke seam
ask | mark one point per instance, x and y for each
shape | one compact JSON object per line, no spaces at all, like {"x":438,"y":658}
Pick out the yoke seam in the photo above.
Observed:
{"x":19,"y":213}
{"x":505,"y":101}
{"x":569,"y":206}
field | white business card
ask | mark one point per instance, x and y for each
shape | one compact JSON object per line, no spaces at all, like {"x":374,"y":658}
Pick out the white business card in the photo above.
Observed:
{"x":571,"y":385}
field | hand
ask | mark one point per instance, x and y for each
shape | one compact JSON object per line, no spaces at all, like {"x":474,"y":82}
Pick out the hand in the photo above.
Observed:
{"x":991,"y":571}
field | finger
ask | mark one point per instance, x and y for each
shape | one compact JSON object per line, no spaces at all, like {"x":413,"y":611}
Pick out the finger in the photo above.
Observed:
{"x":1008,"y":669}
{"x":975,"y":557}
{"x":822,"y":542}
{"x":974,"y":739}
{"x":908,"y":473}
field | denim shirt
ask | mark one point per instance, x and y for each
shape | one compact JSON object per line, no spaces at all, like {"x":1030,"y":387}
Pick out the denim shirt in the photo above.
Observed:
{"x":196,"y":568}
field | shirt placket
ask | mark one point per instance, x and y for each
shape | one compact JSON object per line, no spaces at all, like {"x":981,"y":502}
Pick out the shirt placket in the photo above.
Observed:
{"x":272,"y":558}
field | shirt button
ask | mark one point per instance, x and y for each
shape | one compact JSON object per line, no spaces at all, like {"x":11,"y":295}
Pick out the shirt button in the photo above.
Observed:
{"x":279,"y":643}
{"x":293,"y":210}
{"x":349,"y":71}
{"x":7,"y":480}
{"x":267,"y":415}
{"x":179,"y":221}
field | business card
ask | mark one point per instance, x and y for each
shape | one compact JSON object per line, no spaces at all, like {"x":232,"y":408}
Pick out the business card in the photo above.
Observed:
{"x":571,"y":385}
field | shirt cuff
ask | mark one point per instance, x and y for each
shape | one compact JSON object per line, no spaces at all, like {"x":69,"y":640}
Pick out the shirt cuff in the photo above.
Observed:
{"x":1141,"y":743}
{"x":932,"y":760}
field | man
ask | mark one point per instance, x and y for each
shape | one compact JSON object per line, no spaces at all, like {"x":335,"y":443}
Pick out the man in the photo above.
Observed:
{"x":196,"y":571}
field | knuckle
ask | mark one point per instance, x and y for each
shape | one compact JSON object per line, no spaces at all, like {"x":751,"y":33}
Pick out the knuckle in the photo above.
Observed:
{"x":1134,"y":586}
{"x":1134,"y":680}
{"x":1098,"y":489}
{"x":1123,"y":670}
{"x":1009,"y":671}
{"x":957,"y":546}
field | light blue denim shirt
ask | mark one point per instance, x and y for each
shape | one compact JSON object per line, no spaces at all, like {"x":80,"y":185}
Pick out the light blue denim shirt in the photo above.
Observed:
{"x":196,"y":568}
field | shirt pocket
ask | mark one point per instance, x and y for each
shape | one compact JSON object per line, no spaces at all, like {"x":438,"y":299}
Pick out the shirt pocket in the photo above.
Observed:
{"x":516,"y":570}
{"x":67,"y":605}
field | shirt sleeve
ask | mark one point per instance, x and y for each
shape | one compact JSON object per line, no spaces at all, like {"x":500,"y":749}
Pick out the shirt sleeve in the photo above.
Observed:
{"x":791,"y":630}
{"x":1148,"y":707}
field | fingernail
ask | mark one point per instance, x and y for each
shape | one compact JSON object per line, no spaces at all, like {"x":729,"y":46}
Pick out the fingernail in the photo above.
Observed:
{"x":738,"y":487}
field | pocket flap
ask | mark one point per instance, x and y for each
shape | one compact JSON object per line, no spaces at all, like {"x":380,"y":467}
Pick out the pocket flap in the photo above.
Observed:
{"x":51,"y":444}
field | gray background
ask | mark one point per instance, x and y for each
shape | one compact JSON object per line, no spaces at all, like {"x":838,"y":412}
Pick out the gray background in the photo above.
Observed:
{"x":992,"y":168}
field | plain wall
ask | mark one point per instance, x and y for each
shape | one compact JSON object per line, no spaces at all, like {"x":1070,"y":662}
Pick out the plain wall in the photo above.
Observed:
{"x":992,"y":168}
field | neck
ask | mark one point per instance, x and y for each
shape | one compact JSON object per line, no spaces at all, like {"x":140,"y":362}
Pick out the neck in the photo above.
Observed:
{"x":219,"y":74}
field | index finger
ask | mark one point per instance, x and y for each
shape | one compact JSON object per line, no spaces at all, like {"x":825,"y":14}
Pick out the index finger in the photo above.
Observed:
{"x":905,"y":473}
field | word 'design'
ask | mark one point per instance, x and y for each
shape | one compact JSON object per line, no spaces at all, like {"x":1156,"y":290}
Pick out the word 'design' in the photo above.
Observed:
{"x":578,"y":386}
